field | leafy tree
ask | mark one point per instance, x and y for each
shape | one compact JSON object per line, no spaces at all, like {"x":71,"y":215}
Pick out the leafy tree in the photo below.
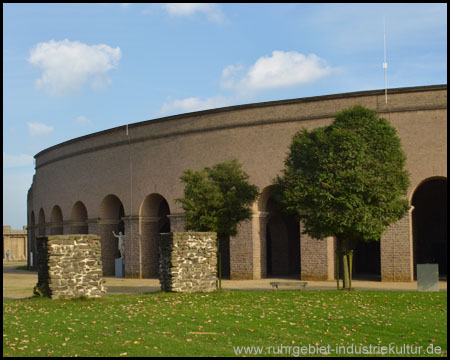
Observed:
{"x":346,"y":180}
{"x":217,"y":199}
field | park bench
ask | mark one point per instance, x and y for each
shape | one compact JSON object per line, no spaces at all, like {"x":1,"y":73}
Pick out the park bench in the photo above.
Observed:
{"x":298,"y":285}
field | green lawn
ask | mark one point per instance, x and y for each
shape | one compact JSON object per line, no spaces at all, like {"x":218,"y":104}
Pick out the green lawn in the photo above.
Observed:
{"x":216,"y":324}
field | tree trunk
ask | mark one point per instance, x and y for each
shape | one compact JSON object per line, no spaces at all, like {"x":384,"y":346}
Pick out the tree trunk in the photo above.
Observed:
{"x":346,"y":266}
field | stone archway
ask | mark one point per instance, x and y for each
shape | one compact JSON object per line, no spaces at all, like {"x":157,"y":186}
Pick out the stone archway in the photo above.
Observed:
{"x":429,"y":223}
{"x":282,"y":237}
{"x":153,"y":220}
{"x":41,"y":223}
{"x":79,"y":219}
{"x":56,"y":221}
{"x":110,"y":219}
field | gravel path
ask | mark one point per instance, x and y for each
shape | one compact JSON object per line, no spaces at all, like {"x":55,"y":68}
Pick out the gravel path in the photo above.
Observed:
{"x":18,"y":284}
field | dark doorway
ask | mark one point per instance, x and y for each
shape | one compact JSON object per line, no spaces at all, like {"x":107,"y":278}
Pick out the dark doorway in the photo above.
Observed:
{"x":282,"y":242}
{"x":429,"y":219}
{"x":164,"y":222}
{"x":224,"y":249}
{"x":366,"y":261}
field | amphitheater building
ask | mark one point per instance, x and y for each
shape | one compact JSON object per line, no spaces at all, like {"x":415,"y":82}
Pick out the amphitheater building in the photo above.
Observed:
{"x":127,"y":179}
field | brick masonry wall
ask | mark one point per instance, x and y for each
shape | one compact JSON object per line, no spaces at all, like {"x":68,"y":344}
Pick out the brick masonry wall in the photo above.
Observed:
{"x":259,"y":245}
{"x":258,"y":135}
{"x":317,"y":258}
{"x":149,"y":244}
{"x":188,"y":262}
{"x":396,"y":252}
{"x":241,"y":252}
{"x":132,"y":256}
{"x":70,"y":266}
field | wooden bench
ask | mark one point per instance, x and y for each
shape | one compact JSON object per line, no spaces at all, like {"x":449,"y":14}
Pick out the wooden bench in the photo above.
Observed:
{"x":299,"y":285}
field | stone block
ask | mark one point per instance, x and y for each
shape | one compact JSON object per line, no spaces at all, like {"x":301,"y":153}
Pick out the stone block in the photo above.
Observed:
{"x":428,"y":277}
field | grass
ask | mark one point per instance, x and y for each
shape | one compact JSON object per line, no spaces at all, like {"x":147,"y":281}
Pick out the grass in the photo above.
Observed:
{"x":214,"y":324}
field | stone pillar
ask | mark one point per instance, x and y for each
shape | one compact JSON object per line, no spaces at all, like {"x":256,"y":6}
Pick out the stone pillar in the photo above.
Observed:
{"x":110,"y":250}
{"x":70,"y":266}
{"x":188,"y":262}
{"x":149,"y":239}
{"x":317,"y":258}
{"x":396,"y":250}
{"x":177,"y":222}
{"x":133,"y":260}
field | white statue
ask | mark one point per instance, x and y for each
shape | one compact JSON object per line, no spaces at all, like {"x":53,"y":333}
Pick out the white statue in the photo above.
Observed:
{"x":121,"y":243}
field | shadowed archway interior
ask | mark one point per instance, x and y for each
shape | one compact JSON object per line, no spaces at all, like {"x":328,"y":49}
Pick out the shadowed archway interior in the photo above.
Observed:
{"x":430,"y":224}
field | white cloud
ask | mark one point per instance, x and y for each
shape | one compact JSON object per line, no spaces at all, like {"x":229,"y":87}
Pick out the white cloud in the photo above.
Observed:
{"x":212,"y":11}
{"x":68,"y":65}
{"x":39,"y":129}
{"x":83,"y":120}
{"x":193,"y":104}
{"x":10,"y":161}
{"x":281,"y":69}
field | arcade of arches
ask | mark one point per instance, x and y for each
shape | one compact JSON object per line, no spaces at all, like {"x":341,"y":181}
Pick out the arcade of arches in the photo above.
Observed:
{"x":279,"y":236}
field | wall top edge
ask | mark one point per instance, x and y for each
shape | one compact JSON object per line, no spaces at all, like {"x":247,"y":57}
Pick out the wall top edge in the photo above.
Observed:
{"x":394,"y":91}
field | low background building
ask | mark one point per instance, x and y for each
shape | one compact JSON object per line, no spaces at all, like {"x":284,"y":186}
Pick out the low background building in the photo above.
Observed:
{"x":16,"y":242}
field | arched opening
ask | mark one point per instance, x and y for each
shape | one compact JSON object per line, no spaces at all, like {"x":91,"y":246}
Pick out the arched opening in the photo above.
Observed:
{"x":282,"y":238}
{"x":41,"y":222}
{"x":154,"y":220}
{"x":111,"y":213}
{"x":79,"y":218}
{"x":429,"y":219}
{"x":56,"y":219}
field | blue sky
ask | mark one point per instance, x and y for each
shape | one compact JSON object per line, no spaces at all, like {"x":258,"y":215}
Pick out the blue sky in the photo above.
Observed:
{"x":74,"y":69}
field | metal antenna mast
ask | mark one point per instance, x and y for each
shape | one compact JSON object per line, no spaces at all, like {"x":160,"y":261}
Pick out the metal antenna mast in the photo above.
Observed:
{"x":385,"y":63}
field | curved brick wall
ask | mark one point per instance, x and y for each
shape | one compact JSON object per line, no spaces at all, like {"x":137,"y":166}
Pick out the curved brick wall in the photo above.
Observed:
{"x":148,"y":162}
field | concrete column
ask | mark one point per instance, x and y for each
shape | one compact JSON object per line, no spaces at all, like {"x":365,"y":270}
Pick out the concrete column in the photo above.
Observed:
{"x":317,"y":258}
{"x":177,"y":222}
{"x":110,"y":250}
{"x":149,"y":243}
{"x":133,"y":258}
{"x":396,"y":248}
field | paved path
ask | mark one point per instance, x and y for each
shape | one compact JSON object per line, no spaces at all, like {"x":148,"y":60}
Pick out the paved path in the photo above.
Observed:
{"x":18,"y":284}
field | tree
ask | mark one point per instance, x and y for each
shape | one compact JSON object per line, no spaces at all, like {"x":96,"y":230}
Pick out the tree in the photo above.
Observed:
{"x":217,"y":199}
{"x":346,"y":180}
